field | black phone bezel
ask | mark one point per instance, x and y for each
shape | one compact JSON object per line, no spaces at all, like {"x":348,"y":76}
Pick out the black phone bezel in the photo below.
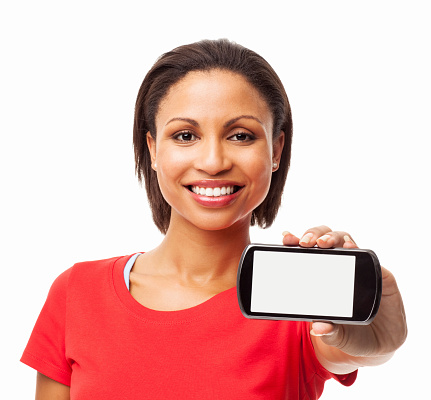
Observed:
{"x":367,"y":289}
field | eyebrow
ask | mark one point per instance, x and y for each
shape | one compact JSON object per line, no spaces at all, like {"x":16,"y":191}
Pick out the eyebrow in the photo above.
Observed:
{"x":189,"y":120}
{"x":226,"y":125}
{"x":233,"y":120}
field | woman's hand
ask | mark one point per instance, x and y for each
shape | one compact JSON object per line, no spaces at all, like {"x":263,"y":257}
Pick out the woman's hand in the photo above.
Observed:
{"x":343,"y":348}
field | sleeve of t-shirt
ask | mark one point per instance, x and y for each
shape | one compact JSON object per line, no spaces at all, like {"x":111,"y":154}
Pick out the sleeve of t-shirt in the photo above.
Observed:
{"x":45,"y":350}
{"x":311,"y":362}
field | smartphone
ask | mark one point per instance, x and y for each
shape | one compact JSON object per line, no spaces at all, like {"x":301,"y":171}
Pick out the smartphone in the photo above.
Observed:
{"x":309,"y":284}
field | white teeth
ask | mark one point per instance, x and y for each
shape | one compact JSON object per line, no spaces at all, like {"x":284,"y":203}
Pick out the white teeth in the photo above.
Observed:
{"x":213,"y":192}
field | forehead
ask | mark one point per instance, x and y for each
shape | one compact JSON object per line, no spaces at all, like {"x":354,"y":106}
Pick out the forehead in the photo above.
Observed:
{"x":214,"y":93}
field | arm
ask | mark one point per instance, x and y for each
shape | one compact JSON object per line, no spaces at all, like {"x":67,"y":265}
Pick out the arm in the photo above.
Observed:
{"x":48,"y":389}
{"x":343,"y":348}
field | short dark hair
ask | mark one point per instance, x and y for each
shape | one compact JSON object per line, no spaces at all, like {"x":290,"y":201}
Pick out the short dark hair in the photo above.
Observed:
{"x":207,"y":55}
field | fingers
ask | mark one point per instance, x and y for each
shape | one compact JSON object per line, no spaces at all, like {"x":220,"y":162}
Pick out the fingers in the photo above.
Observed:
{"x":289,"y":239}
{"x":349,"y":242}
{"x":310,"y":237}
{"x":330,"y":334}
{"x":336,"y":239}
{"x":322,"y":329}
{"x":322,"y":236}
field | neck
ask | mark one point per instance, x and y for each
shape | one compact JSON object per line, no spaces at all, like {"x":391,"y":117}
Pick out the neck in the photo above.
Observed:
{"x":203,"y":256}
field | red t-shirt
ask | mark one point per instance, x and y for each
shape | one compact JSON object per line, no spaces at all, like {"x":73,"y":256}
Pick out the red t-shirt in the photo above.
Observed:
{"x":94,"y":336}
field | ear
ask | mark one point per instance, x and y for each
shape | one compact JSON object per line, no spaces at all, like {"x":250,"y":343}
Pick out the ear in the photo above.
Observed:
{"x":277,"y":149}
{"x":151,"y":143}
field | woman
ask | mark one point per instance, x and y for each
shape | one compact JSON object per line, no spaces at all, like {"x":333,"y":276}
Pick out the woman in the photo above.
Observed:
{"x":212,"y":140}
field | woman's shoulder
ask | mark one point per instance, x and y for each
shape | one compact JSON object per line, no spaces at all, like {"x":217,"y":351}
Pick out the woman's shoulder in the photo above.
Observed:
{"x":87,"y":271}
{"x":97,"y":264}
{"x":98,"y":268}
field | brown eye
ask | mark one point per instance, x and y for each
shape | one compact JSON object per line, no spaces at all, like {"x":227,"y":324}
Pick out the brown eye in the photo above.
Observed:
{"x":242,"y":137}
{"x":185,"y":137}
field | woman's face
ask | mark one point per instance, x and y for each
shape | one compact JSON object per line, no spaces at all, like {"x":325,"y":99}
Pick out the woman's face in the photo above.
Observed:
{"x":214,"y":151}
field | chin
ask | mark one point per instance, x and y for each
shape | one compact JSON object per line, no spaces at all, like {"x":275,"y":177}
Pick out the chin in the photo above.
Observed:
{"x":219,"y":224}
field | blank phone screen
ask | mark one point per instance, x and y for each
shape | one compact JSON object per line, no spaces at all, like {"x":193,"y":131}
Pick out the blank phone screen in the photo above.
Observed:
{"x":303,"y":284}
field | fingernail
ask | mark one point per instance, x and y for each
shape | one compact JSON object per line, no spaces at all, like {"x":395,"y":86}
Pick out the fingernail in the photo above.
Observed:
{"x":306,"y":238}
{"x":348,"y":239}
{"x":286,"y":233}
{"x":325,"y":238}
{"x":320,"y":334}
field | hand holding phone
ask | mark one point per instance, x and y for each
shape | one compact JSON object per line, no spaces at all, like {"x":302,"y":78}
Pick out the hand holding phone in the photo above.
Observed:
{"x":313,"y":284}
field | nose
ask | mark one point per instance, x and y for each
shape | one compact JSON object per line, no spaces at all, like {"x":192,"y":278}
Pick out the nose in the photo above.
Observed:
{"x":213,"y":158}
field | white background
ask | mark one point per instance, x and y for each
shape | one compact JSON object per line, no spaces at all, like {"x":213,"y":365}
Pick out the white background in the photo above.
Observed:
{"x":358,"y":79}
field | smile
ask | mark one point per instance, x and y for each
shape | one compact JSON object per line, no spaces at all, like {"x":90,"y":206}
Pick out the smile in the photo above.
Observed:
{"x":214,"y":191}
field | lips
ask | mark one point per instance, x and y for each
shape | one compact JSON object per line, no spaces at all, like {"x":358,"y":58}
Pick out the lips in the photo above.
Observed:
{"x":214,"y":193}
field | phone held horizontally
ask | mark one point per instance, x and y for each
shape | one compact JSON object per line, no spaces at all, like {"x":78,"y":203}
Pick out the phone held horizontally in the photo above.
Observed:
{"x":309,"y":284}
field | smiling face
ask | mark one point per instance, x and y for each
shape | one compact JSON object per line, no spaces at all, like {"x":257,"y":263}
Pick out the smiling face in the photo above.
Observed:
{"x":214,"y":151}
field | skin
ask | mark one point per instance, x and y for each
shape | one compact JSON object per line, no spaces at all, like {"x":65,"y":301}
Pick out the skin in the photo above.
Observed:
{"x":343,"y":348}
{"x":48,"y":389}
{"x":214,"y":126}
{"x":202,"y":108}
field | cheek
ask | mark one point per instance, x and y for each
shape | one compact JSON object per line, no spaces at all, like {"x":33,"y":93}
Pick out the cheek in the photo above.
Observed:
{"x":171,"y":166}
{"x":259,"y":170}
{"x":263,"y":183}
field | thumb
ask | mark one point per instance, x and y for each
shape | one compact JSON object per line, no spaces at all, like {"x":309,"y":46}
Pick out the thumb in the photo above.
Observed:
{"x":330,"y":334}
